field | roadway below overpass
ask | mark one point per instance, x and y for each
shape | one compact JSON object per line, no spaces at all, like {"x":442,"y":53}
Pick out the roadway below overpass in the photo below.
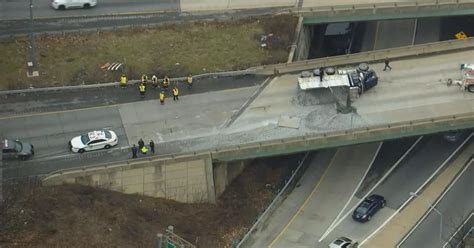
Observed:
{"x":233,"y":124}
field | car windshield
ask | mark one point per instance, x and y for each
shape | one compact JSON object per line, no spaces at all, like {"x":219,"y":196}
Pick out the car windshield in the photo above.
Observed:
{"x":18,"y":146}
{"x":362,"y":209}
{"x":108,"y":135}
{"x":85,"y":139}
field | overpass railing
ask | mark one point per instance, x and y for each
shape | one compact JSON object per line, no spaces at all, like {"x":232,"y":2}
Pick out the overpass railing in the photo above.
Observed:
{"x":311,"y":141}
{"x":371,"y":56}
{"x":385,"y":10}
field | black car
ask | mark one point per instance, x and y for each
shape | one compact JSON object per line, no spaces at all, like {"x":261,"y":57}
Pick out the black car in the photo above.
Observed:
{"x":368,"y":208}
{"x":12,"y":149}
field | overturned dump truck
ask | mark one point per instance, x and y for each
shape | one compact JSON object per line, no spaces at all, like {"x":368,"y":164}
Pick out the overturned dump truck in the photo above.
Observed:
{"x":358,"y":79}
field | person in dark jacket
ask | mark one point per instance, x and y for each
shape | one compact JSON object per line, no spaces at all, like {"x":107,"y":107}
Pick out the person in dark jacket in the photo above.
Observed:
{"x":387,"y":62}
{"x":152,"y":146}
{"x":134,"y":151}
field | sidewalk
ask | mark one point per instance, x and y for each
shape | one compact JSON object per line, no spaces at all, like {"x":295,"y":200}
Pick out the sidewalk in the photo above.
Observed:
{"x":400,"y":225}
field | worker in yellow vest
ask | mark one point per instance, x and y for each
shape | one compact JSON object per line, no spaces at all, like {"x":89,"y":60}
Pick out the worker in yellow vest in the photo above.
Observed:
{"x":144,"y":79}
{"x":175,"y":93}
{"x":190,"y":81}
{"x":123,"y":81}
{"x":166,"y":83}
{"x":154,"y":81}
{"x":144,"y":150}
{"x":162,"y":97}
{"x":142,"y":89}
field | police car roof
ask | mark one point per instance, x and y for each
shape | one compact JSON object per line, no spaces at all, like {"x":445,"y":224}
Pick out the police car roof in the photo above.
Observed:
{"x":95,"y":135}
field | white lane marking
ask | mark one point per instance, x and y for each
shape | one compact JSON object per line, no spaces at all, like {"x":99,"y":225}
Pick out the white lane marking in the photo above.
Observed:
{"x":375,"y":186}
{"x":353,"y":193}
{"x":434,"y":204}
{"x":416,"y":192}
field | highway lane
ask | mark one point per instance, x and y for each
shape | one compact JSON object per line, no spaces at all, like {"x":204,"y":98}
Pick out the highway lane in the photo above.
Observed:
{"x":19,"y":9}
{"x":50,"y":132}
{"x":331,"y":193}
{"x":407,"y":177}
{"x":49,"y":101}
{"x":455,"y":206}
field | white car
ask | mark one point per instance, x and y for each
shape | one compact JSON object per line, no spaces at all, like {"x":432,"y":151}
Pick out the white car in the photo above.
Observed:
{"x":69,"y":4}
{"x":343,"y":242}
{"x":94,"y":140}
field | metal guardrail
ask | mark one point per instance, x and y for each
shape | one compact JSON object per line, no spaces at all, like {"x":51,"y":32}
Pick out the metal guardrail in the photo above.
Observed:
{"x":274,"y":202}
{"x":132,"y":82}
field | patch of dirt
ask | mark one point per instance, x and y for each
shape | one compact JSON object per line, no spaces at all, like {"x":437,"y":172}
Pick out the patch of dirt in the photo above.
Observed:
{"x":175,"y":50}
{"x":77,"y":216}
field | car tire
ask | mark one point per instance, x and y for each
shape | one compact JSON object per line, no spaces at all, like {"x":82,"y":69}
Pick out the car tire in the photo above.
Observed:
{"x":61,"y":7}
{"x":81,"y":151}
{"x":23,"y":158}
{"x":369,"y":217}
{"x":107,"y":146}
{"x":470,"y":88}
{"x":383,"y":204}
{"x":86,"y":6}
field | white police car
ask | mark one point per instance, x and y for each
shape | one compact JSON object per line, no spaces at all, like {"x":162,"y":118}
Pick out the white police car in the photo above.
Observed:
{"x":343,"y":242}
{"x":94,"y":140}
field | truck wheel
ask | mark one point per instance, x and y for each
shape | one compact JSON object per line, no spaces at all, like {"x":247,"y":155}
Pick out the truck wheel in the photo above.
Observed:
{"x":330,"y":71}
{"x":81,"y":151}
{"x":450,"y":82}
{"x":470,"y":88}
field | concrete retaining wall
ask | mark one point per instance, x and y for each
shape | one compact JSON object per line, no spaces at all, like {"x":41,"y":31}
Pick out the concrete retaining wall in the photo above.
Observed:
{"x":304,"y":43}
{"x":188,"y":179}
{"x":225,"y":173}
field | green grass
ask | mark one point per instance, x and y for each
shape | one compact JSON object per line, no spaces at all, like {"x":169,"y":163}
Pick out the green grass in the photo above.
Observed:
{"x":174,"y":50}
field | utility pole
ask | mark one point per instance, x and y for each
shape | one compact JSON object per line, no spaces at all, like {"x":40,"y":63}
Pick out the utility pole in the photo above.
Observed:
{"x":32,"y":47}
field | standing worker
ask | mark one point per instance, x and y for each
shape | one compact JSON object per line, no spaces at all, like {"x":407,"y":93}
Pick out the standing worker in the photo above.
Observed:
{"x":152,"y":146}
{"x":142,"y":89}
{"x":123,"y":80}
{"x":190,"y":81}
{"x":154,"y":81}
{"x":134,"y":151}
{"x":175,"y":93}
{"x":387,"y":62}
{"x":166,"y":83}
{"x":162,"y":97}
{"x":144,"y":79}
{"x":321,"y":74}
{"x":144,"y":150}
{"x":141,"y":144}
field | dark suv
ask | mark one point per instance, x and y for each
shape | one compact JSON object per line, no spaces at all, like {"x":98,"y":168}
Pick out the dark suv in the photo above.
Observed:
{"x":12,"y":149}
{"x":368,"y":208}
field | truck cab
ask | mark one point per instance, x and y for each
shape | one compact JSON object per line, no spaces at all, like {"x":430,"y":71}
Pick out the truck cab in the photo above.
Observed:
{"x":15,"y":149}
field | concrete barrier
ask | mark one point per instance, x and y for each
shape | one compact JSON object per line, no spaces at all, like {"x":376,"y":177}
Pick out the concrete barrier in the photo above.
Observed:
{"x":345,"y":137}
{"x":372,"y":56}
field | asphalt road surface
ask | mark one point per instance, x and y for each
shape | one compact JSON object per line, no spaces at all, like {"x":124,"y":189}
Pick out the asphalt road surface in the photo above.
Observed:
{"x":28,"y":103}
{"x":428,"y":155}
{"x":50,"y":120}
{"x":455,"y":206}
{"x":19,"y":9}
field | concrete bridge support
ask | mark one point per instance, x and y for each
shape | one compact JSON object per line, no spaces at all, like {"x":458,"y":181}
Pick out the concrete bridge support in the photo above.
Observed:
{"x":225,"y":173}
{"x":187,"y":179}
